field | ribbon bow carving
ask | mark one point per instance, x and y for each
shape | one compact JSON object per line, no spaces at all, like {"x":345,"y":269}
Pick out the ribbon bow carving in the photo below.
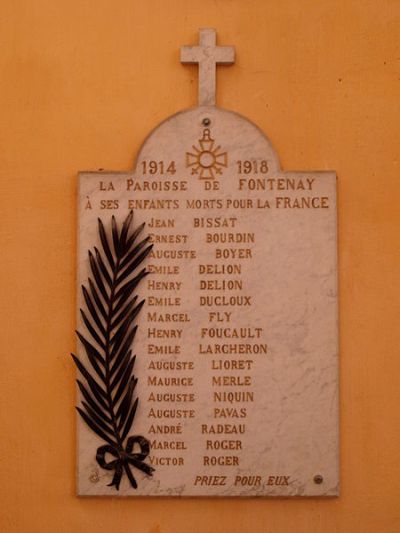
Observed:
{"x":125,"y":458}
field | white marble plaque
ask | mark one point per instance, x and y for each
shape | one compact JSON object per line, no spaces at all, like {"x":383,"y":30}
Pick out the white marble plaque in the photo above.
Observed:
{"x":236,"y":344}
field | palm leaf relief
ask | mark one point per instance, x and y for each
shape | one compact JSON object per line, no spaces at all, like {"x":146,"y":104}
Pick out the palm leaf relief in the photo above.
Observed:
{"x":108,"y":406}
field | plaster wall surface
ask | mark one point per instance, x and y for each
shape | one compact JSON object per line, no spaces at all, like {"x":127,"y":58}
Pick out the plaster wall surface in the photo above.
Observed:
{"x":83,"y":83}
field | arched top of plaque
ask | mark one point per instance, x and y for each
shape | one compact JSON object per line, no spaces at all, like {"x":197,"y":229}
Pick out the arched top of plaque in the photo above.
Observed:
{"x":204,"y":137}
{"x":206,"y":134}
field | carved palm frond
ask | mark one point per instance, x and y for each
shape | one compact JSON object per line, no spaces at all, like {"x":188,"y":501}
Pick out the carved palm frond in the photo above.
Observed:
{"x":109,"y":314}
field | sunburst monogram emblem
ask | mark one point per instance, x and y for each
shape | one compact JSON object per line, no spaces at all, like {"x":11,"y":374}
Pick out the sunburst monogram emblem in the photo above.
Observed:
{"x":207,"y":160}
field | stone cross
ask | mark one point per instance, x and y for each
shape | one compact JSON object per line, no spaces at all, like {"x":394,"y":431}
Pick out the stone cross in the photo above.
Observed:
{"x":208,"y":55}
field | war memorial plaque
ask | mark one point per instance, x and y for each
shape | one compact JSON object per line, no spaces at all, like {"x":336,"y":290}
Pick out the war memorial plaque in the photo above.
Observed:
{"x":207,"y":354}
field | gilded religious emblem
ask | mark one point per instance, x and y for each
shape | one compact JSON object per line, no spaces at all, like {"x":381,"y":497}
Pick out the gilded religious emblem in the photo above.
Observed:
{"x":206,"y":160}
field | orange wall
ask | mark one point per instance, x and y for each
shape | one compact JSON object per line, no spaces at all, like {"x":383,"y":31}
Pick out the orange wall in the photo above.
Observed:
{"x":83,"y":82}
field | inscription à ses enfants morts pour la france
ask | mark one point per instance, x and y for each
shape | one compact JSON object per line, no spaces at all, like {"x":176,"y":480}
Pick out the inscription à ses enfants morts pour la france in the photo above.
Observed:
{"x":236,"y":344}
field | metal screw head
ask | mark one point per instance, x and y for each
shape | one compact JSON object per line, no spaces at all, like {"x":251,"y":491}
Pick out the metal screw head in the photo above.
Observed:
{"x":318,"y":479}
{"x":206,"y":121}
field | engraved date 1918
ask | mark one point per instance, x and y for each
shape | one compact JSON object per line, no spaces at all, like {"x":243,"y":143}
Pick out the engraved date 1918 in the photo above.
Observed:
{"x":252,"y":166}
